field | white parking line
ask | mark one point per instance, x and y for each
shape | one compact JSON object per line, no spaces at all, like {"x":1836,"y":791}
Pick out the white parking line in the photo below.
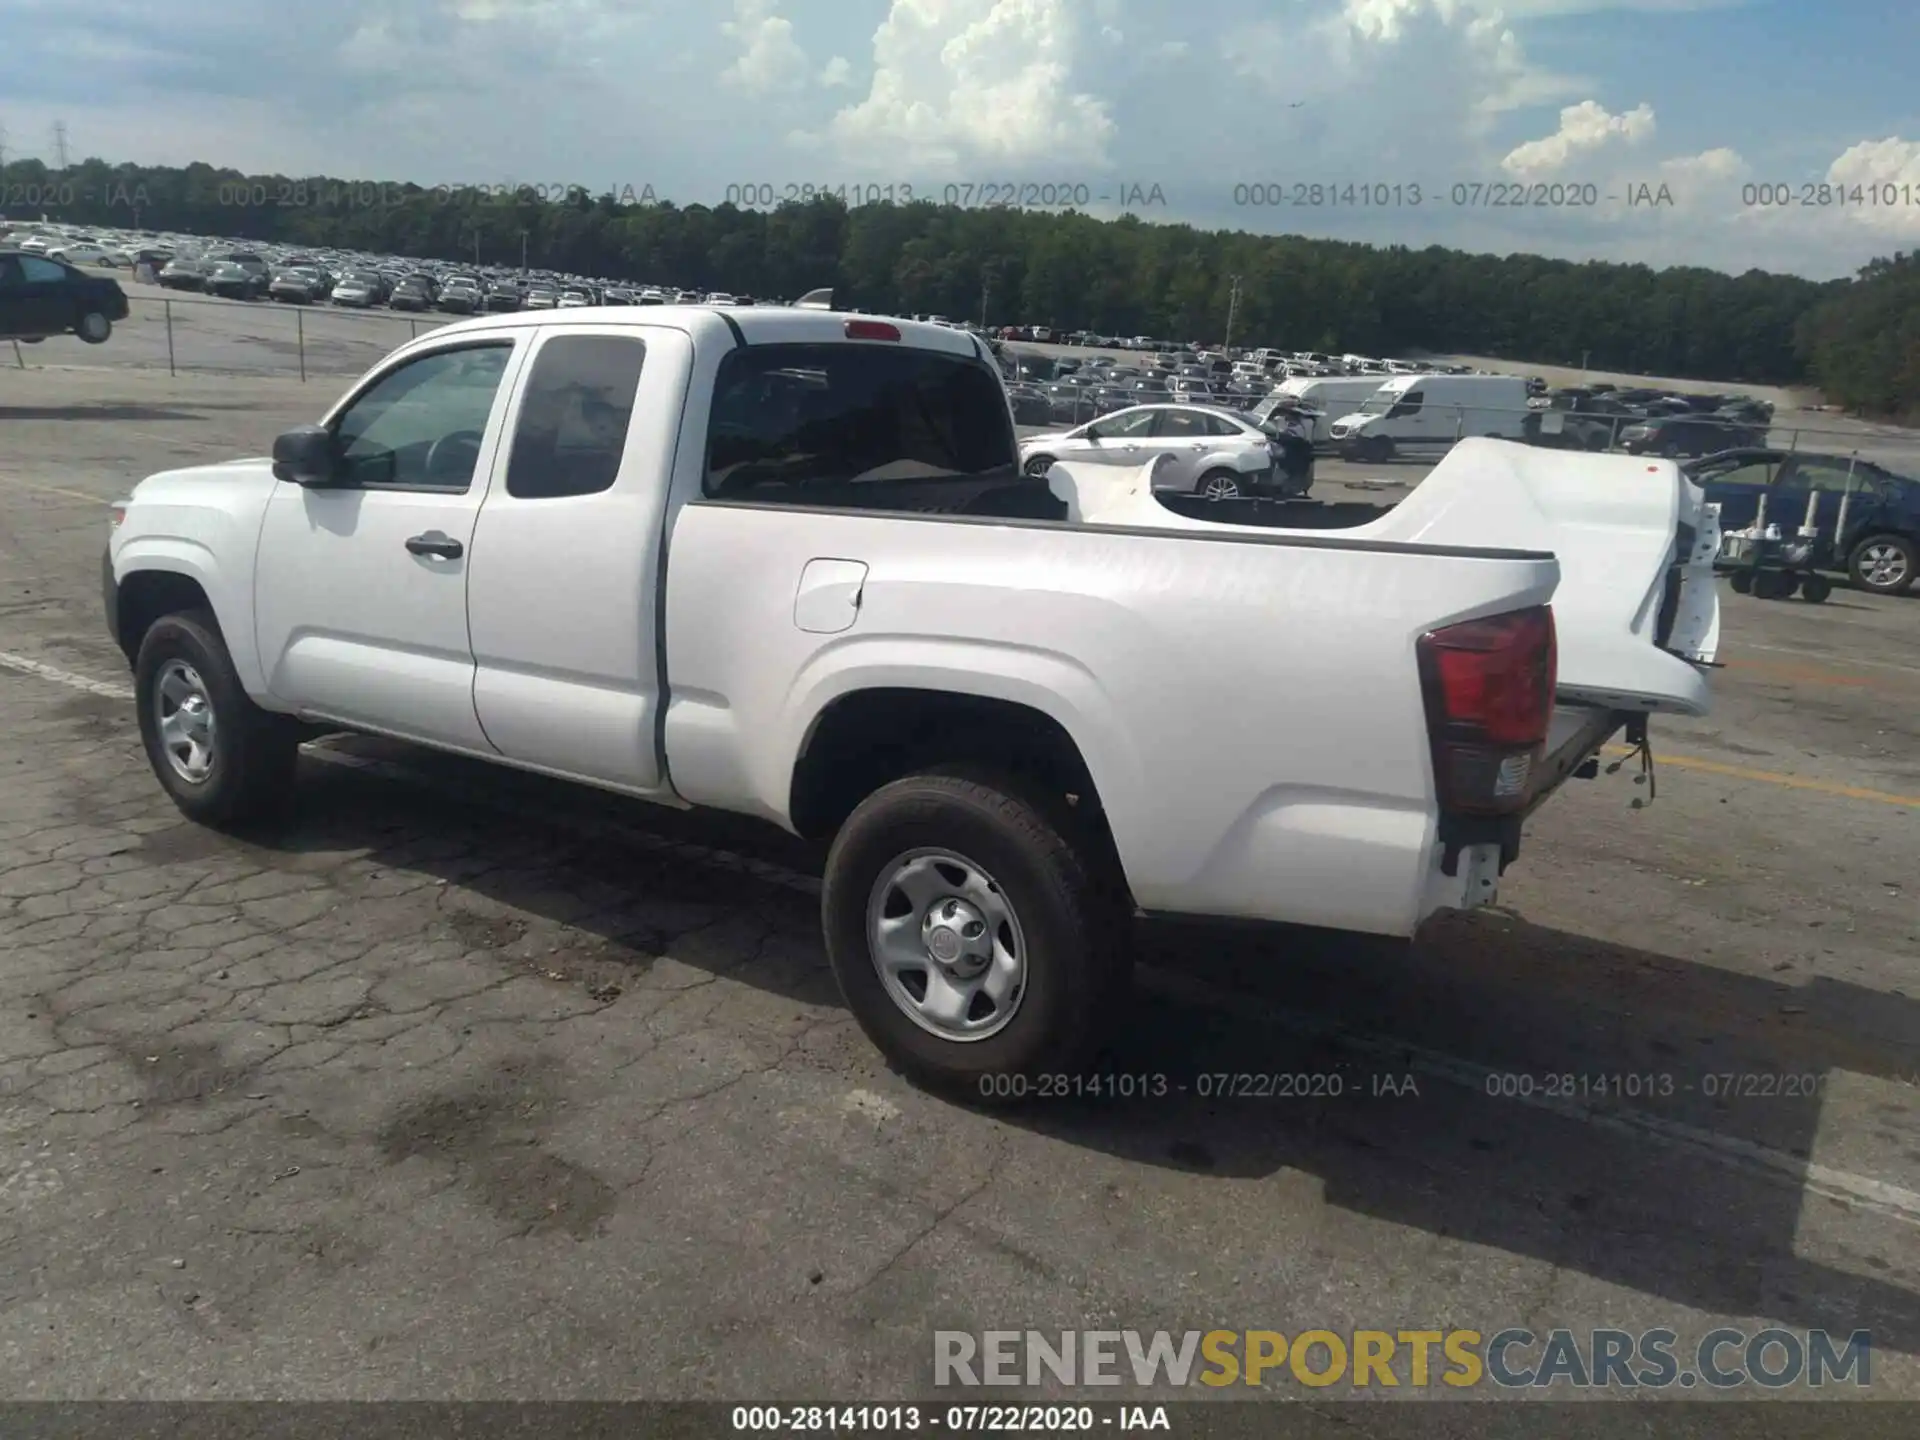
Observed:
{"x":65,"y":677}
{"x":1844,"y":1186}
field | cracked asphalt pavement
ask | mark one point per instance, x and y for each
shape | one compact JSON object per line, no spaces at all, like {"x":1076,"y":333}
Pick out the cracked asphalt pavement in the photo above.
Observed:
{"x":464,"y":1085}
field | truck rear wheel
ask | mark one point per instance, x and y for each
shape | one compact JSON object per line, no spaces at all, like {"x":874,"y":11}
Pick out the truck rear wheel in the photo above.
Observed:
{"x":222,"y":758}
{"x":972,"y":936}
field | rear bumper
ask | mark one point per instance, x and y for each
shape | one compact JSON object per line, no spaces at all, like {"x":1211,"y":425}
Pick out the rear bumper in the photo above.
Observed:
{"x":1576,"y":736}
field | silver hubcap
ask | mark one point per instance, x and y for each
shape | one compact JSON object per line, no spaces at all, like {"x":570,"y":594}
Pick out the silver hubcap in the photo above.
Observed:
{"x":1220,"y":488}
{"x":1883,"y":565}
{"x":183,"y":712}
{"x":1039,"y":467}
{"x":947,"y":945}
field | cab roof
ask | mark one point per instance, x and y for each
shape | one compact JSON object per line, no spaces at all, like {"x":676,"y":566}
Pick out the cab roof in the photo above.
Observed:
{"x":753,"y":324}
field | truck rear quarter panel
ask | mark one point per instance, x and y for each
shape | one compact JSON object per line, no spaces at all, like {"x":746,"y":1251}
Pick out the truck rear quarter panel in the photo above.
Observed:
{"x":1249,"y":709}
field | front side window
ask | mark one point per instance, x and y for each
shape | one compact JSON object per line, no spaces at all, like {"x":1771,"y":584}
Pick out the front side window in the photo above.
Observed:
{"x":858,"y":426}
{"x":574,"y":414}
{"x":1123,"y":427}
{"x":420,"y":426}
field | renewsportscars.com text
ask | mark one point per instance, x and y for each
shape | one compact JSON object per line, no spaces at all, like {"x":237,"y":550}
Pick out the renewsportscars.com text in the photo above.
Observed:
{"x":1722,"y":1359}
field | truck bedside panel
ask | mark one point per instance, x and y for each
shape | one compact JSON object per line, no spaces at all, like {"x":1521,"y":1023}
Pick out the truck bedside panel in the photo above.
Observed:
{"x":1249,"y":708}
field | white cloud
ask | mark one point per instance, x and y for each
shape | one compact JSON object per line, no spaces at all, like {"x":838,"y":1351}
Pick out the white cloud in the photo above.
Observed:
{"x":974,"y":81}
{"x":1708,"y":165}
{"x":770,"y":58}
{"x":836,"y":72}
{"x":1887,"y":176}
{"x":1437,"y":72}
{"x":1584,"y":129}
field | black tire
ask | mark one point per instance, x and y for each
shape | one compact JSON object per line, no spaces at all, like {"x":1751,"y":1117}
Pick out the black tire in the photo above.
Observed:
{"x":1884,"y":564}
{"x":1742,"y":582}
{"x":1060,"y":884}
{"x":93,"y":327}
{"x":1038,"y":466}
{"x":253,"y":751}
{"x":1773,"y":585}
{"x":1815,"y":589}
{"x":1219,"y":485}
{"x":1375,"y":449}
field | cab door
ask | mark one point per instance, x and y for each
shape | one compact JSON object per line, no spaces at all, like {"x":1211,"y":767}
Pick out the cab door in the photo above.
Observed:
{"x":563,"y":602}
{"x":360,"y":587}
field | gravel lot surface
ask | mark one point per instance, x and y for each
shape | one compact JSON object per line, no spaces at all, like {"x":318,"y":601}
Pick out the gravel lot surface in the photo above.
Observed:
{"x":467,"y":1085}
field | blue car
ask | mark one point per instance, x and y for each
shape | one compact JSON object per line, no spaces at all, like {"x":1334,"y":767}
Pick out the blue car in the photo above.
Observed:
{"x":1880,"y":546}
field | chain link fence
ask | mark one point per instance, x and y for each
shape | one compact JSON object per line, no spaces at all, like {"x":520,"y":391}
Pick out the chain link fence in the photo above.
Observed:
{"x":192,"y":334}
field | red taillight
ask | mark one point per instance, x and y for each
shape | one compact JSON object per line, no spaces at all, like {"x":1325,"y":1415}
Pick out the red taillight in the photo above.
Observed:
{"x":1489,"y":694}
{"x":872,"y":330}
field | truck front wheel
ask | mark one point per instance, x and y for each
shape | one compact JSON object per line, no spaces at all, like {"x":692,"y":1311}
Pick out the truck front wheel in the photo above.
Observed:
{"x":972,"y":936}
{"x":222,"y":758}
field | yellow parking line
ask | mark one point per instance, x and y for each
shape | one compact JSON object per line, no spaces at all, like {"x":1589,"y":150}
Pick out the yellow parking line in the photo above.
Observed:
{"x":1800,"y":674}
{"x":1769,"y":777}
{"x":54,"y":490}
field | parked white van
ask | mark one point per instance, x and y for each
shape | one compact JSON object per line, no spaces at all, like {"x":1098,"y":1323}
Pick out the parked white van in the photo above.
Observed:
{"x":1334,"y":398}
{"x":1431,"y":411}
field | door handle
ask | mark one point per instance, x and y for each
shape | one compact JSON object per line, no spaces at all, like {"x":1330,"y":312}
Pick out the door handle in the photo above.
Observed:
{"x":436,"y":544}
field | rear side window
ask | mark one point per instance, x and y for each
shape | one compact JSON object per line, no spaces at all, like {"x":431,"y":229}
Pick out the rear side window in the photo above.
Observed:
{"x":574,"y":416}
{"x":857,"y":426}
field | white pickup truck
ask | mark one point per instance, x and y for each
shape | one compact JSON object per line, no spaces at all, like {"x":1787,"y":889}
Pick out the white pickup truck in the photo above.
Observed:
{"x":784,"y":563}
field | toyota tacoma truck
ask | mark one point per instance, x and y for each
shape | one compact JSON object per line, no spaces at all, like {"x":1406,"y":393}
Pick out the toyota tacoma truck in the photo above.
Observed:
{"x":785,"y":563}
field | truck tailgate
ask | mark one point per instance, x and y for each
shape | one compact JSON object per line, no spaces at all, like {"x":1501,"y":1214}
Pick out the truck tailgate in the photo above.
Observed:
{"x":1636,"y":606}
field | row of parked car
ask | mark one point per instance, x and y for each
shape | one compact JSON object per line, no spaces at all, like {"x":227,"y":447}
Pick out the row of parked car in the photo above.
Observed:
{"x":308,"y":280}
{"x":1371,"y":416}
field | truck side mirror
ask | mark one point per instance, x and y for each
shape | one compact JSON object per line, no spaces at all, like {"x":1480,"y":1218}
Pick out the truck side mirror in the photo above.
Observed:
{"x":306,"y":455}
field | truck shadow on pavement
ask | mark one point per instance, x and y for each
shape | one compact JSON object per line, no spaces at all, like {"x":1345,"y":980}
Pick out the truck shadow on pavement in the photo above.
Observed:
{"x":1645,"y":1121}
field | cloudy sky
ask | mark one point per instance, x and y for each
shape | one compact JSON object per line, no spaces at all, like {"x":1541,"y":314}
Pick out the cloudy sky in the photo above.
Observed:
{"x":1224,"y":105}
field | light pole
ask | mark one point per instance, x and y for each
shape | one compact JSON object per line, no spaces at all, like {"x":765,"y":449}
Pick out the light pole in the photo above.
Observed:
{"x":1233,"y":304}
{"x":523,"y":252}
{"x":988,"y":273}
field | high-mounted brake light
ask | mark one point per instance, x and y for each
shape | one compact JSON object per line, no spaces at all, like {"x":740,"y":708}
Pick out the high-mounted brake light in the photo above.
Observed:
{"x":1489,"y":693}
{"x":872,"y":330}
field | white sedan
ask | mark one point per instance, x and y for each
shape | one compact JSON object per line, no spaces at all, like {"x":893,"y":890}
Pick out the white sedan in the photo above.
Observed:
{"x":1208,"y":450}
{"x":79,"y":253}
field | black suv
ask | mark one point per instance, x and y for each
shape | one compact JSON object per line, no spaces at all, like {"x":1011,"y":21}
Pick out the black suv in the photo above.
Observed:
{"x":41,"y":297}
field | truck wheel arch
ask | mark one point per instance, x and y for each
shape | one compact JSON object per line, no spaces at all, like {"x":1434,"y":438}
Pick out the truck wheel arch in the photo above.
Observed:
{"x":146,"y":595}
{"x":867,"y":738}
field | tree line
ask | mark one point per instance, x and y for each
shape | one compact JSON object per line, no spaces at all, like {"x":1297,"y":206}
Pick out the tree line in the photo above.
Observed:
{"x":1859,"y":340}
